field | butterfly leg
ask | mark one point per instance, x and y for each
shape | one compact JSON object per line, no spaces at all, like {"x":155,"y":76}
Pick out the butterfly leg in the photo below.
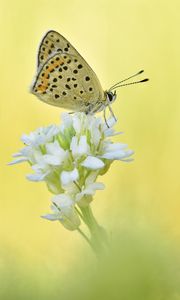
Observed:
{"x":111,"y":111}
{"x":104,"y":114}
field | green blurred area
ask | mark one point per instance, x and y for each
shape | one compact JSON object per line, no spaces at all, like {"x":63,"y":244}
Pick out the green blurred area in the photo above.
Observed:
{"x":140,"y":264}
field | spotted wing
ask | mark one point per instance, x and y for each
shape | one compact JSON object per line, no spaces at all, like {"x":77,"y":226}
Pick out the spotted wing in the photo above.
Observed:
{"x":67,"y":81}
{"x":53,"y":43}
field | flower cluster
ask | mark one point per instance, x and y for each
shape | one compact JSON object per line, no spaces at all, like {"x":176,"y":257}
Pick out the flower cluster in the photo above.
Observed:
{"x":69,"y":159}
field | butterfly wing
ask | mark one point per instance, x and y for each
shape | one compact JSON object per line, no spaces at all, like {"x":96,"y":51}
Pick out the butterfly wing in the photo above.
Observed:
{"x":52,"y":43}
{"x":64,"y":78}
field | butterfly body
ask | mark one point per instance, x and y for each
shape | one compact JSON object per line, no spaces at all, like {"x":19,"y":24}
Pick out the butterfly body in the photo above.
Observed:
{"x":65,"y":79}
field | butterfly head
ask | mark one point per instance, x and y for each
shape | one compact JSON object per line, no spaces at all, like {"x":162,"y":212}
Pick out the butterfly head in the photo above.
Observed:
{"x":110,"y":97}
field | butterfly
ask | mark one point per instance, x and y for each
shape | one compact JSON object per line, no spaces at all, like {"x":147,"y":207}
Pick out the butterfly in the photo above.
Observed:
{"x":66,"y":80}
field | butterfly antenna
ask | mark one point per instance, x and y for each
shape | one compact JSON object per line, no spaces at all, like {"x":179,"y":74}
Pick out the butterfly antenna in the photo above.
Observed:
{"x":144,"y":80}
{"x":114,"y":86}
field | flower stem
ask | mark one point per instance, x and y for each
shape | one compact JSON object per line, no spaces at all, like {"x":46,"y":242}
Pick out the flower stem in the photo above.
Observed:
{"x":79,"y":213}
{"x":85,"y":237}
{"x":99,"y":238}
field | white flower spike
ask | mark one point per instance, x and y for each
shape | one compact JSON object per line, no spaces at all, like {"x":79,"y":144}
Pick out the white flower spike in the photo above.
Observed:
{"x":69,"y":158}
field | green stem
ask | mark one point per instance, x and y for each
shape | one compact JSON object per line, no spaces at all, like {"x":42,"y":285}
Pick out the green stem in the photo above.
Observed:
{"x":86,"y":238}
{"x":98,"y":237}
{"x":79,"y":213}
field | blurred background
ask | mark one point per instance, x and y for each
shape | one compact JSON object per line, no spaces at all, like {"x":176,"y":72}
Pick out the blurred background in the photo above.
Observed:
{"x":140,"y":205}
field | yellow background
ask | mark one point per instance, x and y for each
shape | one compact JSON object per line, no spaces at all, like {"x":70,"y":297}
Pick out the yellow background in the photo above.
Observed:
{"x":117,"y":38}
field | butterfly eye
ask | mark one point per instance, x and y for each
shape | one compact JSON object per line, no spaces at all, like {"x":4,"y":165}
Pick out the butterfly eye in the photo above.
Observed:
{"x":111,"y":96}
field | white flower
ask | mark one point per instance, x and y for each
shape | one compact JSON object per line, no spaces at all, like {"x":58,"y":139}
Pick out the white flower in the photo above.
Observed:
{"x":64,"y":211}
{"x":66,"y":121}
{"x":36,"y":176}
{"x":93,"y":163}
{"x":40,"y":136}
{"x":79,"y":147}
{"x":69,"y":176}
{"x":69,"y":158}
{"x":89,"y":188}
{"x":116,"y":151}
{"x":18,"y":160}
{"x":55,"y":154}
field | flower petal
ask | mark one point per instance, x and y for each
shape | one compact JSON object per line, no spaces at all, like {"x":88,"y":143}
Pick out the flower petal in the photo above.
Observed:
{"x":36,"y":177}
{"x":91,"y":188}
{"x":80,"y":147}
{"x":83,"y":145}
{"x":115,"y":146}
{"x":77,"y":123}
{"x":63,"y":201}
{"x":111,"y":122}
{"x":65,"y":204}
{"x":53,"y":148}
{"x":66,"y":120}
{"x":52,"y":159}
{"x":69,"y":176}
{"x":117,"y":154}
{"x":74,"y":145}
{"x":17,"y":161}
{"x":52,"y":217}
{"x":93,"y":163}
{"x":17,"y":154}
